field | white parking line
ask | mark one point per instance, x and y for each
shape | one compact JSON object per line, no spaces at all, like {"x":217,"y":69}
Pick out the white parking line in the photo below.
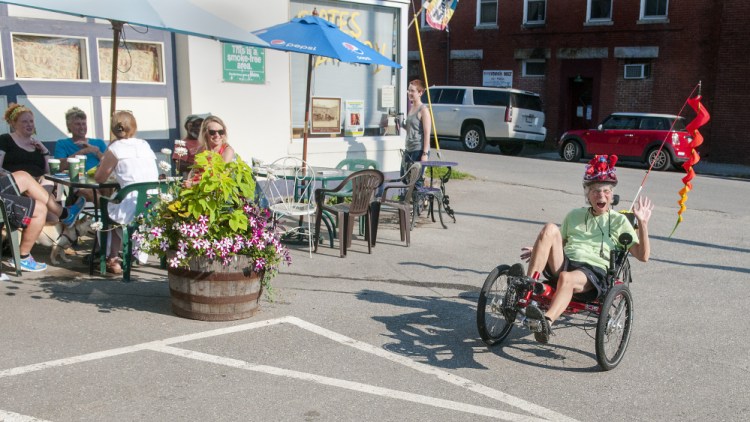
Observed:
{"x":427,"y":369}
{"x":6,"y":416}
{"x":349,"y":385}
{"x":164,"y":347}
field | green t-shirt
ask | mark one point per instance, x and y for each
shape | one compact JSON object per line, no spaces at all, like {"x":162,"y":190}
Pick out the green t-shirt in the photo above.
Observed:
{"x":585,"y":235}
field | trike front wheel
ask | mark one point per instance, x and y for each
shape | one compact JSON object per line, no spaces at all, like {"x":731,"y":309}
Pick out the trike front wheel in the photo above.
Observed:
{"x":494,"y":318}
{"x":614,"y":326}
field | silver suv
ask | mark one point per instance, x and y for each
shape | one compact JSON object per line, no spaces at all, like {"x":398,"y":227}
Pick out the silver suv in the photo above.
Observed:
{"x":478,"y":116}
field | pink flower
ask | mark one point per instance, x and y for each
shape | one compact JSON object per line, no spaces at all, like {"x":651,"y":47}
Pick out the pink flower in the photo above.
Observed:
{"x":260,"y":264}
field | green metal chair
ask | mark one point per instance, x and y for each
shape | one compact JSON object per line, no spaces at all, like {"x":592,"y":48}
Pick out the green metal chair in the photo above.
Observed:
{"x":148,"y":192}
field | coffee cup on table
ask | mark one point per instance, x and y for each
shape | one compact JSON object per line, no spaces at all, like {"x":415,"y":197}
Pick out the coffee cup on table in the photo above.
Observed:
{"x":54,"y":165}
{"x":73,"y":168}
{"x":81,"y":166}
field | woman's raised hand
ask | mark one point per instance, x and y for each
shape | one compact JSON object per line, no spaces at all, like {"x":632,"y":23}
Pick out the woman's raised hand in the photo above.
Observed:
{"x":642,"y":210}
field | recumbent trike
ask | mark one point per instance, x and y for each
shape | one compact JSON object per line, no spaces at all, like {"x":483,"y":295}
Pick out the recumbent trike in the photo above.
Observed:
{"x":507,"y":292}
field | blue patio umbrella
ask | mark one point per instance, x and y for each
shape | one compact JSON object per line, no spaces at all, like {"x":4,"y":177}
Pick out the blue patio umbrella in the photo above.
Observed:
{"x":179,"y":16}
{"x":316,"y":36}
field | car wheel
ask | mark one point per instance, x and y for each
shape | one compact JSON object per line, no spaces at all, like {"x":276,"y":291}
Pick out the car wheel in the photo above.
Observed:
{"x":659,"y":159}
{"x":472,"y":138}
{"x":571,"y":151}
{"x":512,"y":149}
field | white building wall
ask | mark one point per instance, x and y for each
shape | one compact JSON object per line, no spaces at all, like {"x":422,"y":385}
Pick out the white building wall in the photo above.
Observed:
{"x":258,"y":117}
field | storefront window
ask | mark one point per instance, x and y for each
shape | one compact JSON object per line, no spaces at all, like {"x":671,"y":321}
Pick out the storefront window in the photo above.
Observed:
{"x":374,"y":26}
{"x":47,"y":57}
{"x":136,"y":62}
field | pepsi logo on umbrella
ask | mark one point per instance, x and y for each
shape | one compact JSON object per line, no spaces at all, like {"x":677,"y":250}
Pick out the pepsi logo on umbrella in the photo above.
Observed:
{"x":293,"y":45}
{"x":352,"y":48}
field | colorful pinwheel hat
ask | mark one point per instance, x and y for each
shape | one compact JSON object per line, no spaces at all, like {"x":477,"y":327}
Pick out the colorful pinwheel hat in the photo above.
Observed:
{"x":601,"y":169}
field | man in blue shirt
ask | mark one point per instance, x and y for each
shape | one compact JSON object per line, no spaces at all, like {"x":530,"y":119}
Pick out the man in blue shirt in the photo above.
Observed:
{"x":79,"y":144}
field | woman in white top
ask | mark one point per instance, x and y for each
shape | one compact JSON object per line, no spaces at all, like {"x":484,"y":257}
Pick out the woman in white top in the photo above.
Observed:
{"x":132,"y":161}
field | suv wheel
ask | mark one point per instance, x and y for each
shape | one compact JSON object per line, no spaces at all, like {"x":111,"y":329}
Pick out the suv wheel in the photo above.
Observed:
{"x":659,"y":159}
{"x":571,"y":151}
{"x":472,"y":138}
{"x":511,"y":149}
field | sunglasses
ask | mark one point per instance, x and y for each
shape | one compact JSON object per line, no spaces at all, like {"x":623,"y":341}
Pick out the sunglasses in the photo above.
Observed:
{"x":221,"y":132}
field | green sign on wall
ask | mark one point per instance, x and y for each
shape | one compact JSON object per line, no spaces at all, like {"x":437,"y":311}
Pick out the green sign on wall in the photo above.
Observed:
{"x":243,"y":63}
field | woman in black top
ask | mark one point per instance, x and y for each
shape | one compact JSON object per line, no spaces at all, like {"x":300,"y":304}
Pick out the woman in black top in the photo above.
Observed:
{"x":20,"y":150}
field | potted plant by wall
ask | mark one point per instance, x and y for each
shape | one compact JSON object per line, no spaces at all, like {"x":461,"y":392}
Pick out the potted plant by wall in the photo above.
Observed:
{"x":221,"y":248}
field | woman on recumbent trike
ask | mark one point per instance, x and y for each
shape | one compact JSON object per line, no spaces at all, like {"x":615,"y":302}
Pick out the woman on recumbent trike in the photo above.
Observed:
{"x":576,"y":256}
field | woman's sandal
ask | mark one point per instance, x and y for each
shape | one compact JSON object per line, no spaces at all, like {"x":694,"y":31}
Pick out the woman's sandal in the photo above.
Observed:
{"x":113,"y":266}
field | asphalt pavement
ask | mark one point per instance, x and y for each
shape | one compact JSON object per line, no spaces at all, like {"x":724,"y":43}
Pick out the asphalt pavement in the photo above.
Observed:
{"x":392,"y":335}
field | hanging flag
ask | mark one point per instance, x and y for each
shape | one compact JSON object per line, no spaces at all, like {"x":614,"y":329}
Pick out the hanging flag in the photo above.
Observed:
{"x":439,"y":12}
{"x":702,"y":117}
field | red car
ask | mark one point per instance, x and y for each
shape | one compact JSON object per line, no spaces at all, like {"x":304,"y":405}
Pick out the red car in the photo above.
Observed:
{"x":631,"y":136}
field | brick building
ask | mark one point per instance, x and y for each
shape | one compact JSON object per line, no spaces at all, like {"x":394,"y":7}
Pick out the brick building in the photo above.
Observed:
{"x":588,"y":58}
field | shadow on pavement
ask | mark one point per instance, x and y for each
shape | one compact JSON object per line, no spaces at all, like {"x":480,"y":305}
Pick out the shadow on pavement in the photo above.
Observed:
{"x":438,"y":331}
{"x":108,"y":295}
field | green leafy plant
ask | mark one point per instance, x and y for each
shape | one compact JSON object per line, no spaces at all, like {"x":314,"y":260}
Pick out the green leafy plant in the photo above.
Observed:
{"x":213,"y":215}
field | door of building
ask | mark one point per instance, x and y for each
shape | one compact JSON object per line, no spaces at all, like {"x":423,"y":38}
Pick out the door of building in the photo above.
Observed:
{"x":581,"y":104}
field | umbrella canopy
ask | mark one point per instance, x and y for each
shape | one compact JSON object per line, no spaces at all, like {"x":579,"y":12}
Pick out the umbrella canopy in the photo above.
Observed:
{"x":316,"y":36}
{"x":179,"y":16}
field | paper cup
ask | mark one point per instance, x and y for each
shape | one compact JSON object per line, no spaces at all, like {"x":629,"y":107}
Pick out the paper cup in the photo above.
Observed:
{"x":82,"y":166}
{"x":54,"y":165}
{"x":74,"y":166}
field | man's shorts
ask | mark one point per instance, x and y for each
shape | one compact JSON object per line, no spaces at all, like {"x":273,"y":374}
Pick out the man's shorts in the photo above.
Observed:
{"x":18,"y":208}
{"x":596,"y":276}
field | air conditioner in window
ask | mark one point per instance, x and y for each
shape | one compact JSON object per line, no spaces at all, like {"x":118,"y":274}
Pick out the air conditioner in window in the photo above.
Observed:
{"x":635,"y":71}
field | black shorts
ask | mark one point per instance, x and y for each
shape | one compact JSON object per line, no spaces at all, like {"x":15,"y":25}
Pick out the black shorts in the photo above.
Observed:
{"x":18,"y":208}
{"x":595,"y":275}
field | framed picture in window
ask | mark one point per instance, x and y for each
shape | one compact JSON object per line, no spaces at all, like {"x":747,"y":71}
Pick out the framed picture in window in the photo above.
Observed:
{"x":326,"y":115}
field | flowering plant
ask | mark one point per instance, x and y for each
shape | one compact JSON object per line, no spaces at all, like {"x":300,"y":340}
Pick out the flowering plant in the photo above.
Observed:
{"x":212,"y":216}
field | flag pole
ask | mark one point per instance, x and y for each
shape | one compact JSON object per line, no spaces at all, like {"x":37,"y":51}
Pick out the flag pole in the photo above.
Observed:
{"x":661,"y":147}
{"x":414,"y":19}
{"x":426,"y":82}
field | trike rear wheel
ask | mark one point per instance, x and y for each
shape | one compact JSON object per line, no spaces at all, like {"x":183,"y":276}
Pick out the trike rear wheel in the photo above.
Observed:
{"x":494,"y":318}
{"x":614,"y":326}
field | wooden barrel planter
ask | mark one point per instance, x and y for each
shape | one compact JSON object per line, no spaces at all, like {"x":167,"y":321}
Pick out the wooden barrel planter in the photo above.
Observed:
{"x":210,"y":291}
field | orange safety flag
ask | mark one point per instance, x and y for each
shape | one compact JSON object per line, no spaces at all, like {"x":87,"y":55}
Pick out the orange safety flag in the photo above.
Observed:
{"x":439,"y":12}
{"x":702,"y":117}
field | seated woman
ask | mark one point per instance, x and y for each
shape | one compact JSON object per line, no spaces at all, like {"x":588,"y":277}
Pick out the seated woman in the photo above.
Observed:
{"x":213,"y":137}
{"x":30,"y":211}
{"x":183,"y":162}
{"x":131,"y":160}
{"x":19,"y":149}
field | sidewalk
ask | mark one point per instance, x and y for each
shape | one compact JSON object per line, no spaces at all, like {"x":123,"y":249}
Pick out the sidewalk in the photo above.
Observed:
{"x":703,"y":167}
